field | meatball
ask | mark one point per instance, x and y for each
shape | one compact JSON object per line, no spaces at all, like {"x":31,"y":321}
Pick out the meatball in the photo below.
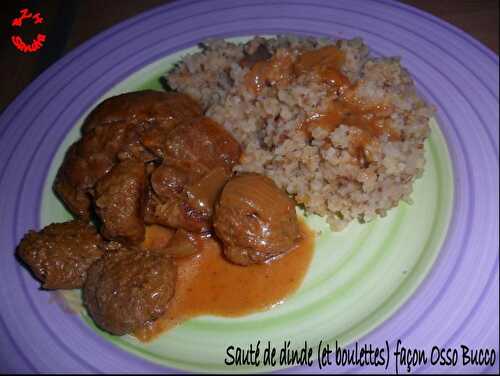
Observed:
{"x":126,"y":289}
{"x":119,"y":201}
{"x":255,"y":220}
{"x":128,"y":126}
{"x":60,"y":254}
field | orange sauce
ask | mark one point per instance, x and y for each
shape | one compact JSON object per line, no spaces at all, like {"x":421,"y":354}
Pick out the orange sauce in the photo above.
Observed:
{"x":207,"y":284}
{"x":276,"y":70}
{"x":156,"y":237}
{"x":324,"y":63}
{"x":373,"y":121}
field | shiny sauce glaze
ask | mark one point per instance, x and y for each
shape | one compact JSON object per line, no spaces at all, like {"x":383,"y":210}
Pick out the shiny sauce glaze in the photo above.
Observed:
{"x":207,"y":284}
{"x":324,"y":66}
{"x":373,"y":121}
{"x":277,"y":70}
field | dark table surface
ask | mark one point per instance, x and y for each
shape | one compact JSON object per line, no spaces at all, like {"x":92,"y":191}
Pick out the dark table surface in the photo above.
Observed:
{"x":69,"y":23}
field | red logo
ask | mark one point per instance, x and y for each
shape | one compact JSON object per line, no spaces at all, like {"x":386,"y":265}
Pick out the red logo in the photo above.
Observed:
{"x":18,"y":41}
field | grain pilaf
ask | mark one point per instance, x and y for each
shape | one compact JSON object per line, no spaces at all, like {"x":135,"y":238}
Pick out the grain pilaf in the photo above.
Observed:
{"x":341,"y":131}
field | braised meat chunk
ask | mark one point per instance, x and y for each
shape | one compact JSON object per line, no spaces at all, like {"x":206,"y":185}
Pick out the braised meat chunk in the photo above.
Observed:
{"x":67,"y":184}
{"x":255,"y":220}
{"x":156,"y":238}
{"x":172,"y":177}
{"x":165,"y":200}
{"x":174,"y":243}
{"x":126,"y":289}
{"x":128,"y":126}
{"x":119,"y":202}
{"x":185,"y":243}
{"x":204,"y":141}
{"x":182,"y":199}
{"x":199,"y":157}
{"x":163,"y":109}
{"x":93,"y":157}
{"x":60,"y":254}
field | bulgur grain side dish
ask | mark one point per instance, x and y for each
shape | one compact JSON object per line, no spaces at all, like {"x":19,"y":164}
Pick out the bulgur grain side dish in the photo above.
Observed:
{"x":340,"y":130}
